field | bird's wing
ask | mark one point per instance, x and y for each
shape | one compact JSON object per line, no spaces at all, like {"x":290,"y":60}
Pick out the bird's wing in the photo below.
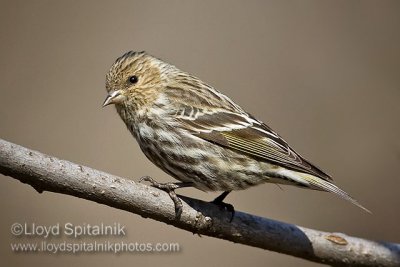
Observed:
{"x":241,"y":132}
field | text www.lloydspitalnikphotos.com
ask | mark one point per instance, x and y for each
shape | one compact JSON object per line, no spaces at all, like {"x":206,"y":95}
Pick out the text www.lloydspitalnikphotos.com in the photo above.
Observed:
{"x":47,"y":244}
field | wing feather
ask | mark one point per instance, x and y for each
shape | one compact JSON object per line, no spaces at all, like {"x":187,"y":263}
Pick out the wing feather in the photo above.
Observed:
{"x":242,"y":133}
{"x":214,"y":117}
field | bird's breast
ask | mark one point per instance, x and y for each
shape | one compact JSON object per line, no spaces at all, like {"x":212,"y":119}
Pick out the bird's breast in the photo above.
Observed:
{"x":189,"y":158}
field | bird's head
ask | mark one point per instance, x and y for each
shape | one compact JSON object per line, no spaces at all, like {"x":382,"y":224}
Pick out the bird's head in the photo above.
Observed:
{"x":135,"y":79}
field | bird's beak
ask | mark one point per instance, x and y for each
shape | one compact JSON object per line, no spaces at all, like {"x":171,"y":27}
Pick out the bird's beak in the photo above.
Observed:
{"x":113,"y":97}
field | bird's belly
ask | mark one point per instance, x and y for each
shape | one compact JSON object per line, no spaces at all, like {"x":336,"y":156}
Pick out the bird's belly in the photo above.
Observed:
{"x":210,"y":167}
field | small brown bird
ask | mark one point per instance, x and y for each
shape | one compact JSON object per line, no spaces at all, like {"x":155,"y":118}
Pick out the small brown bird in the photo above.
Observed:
{"x":200,"y":136}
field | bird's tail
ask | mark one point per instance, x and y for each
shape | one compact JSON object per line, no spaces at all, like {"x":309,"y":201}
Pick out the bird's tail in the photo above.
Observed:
{"x":321,"y":184}
{"x":329,"y":187}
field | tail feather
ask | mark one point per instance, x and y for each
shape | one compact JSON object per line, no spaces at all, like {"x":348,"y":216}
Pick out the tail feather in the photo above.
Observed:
{"x":329,"y":187}
{"x":317,"y":183}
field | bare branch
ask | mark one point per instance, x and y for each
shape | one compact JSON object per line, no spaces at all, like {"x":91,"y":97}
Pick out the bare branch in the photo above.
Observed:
{"x":47,"y":173}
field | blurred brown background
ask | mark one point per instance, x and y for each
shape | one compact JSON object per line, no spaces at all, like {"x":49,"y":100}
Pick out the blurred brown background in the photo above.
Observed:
{"x":324,"y":74}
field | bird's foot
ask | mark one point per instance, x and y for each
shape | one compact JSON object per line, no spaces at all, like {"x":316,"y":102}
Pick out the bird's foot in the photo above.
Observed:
{"x":170,"y":189}
{"x":224,"y":206}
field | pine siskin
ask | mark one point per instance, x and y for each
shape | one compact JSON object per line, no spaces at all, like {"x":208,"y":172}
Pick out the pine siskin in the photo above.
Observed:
{"x":200,"y":136}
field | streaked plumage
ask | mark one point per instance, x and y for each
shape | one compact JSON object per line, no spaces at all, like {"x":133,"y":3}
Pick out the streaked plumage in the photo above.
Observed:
{"x":196,"y":134}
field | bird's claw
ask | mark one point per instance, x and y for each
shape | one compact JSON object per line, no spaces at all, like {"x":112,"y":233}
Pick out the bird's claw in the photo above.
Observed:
{"x":219,"y":201}
{"x":226,"y":206}
{"x":170,"y":189}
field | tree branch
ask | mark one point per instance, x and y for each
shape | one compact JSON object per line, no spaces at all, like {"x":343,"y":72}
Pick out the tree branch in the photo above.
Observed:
{"x":47,"y":173}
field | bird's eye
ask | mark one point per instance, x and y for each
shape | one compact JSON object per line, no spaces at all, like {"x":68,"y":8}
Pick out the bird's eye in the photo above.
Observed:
{"x":133,"y":79}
